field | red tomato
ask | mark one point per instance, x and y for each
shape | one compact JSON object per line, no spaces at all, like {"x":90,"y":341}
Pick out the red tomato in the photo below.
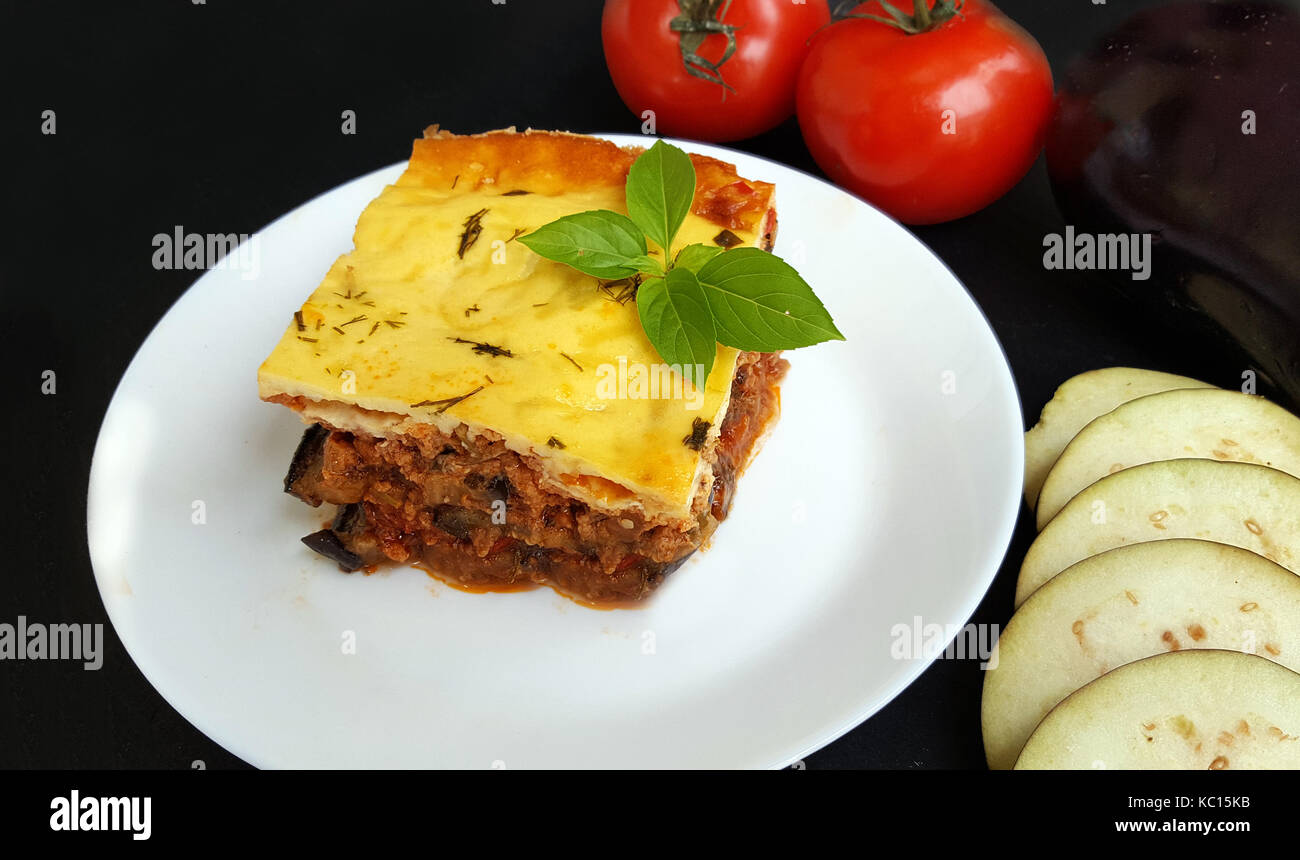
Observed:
{"x":928,"y":127}
{"x":645,"y":60}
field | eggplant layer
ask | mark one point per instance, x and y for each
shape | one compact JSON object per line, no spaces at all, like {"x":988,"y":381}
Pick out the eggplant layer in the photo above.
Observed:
{"x":480,"y":514}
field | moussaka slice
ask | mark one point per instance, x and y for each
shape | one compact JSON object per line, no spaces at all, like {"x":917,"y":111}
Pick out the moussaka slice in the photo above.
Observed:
{"x":501,"y":418}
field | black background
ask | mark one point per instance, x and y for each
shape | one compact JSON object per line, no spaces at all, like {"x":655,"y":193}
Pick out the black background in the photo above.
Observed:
{"x":223,"y":116}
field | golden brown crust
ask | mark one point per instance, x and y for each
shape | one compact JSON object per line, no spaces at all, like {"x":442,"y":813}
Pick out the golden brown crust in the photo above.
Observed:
{"x":724,"y":198}
{"x":542,"y":162}
{"x":552,"y":162}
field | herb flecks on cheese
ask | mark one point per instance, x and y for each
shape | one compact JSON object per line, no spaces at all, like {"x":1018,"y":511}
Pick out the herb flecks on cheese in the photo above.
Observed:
{"x":439,"y":316}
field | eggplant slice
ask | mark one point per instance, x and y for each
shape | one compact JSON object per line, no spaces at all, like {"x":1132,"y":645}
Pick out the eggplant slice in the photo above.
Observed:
{"x":305,"y":467}
{"x":328,"y":544}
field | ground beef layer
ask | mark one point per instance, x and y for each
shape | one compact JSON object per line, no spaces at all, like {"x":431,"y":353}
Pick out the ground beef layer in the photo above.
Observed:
{"x":477,"y":513}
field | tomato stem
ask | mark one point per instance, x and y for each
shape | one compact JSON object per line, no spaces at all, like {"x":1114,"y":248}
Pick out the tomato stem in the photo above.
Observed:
{"x":924,"y":17}
{"x":921,"y":12}
{"x":698,"y":20}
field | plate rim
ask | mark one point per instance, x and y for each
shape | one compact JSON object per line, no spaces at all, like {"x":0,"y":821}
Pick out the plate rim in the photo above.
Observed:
{"x":997,"y":546}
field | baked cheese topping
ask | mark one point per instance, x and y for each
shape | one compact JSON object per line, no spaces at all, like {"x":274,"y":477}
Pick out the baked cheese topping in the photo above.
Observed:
{"x":440,"y":316}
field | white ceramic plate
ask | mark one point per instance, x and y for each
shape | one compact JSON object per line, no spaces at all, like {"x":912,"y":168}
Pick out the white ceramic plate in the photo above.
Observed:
{"x":887,"y":493}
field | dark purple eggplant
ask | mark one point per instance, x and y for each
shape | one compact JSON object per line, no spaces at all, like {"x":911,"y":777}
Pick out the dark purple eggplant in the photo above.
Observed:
{"x":349,"y":519}
{"x":329,"y":545}
{"x":1185,"y":124}
{"x":304,"y":469}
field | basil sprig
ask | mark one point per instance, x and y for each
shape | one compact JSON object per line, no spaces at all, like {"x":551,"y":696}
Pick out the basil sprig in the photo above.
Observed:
{"x":660,"y":188}
{"x":700,"y":296}
{"x":674,"y":312}
{"x":600,"y":243}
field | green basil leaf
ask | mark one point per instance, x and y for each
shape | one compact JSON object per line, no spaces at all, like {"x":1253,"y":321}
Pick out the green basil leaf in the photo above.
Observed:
{"x":599,"y":243}
{"x":660,"y":188}
{"x":760,"y":303}
{"x":693,"y":257}
{"x":648,"y":265}
{"x":675,"y":315}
